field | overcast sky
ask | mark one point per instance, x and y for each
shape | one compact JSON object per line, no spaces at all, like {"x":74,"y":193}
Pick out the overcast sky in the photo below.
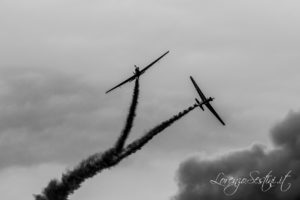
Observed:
{"x":58,"y":58}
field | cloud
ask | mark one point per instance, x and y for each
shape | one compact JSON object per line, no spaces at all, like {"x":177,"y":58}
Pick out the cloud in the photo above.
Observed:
{"x":47,"y":115}
{"x":195,"y":174}
{"x":50,"y":116}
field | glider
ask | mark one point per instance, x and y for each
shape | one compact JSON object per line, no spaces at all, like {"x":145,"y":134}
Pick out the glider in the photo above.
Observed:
{"x":205,"y":101}
{"x":137,"y":73}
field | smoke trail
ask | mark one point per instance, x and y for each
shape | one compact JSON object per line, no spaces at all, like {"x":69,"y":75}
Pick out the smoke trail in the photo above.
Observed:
{"x":72,"y":180}
{"x":129,"y":122}
{"x":89,"y":167}
{"x":139,"y":143}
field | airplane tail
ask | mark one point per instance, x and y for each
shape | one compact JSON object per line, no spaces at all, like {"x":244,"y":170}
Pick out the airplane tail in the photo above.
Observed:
{"x":201,"y":107}
{"x":200,"y":104}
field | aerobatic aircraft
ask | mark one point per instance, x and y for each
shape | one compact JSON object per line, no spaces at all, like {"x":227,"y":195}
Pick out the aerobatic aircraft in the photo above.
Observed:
{"x":137,"y":72}
{"x":205,"y":101}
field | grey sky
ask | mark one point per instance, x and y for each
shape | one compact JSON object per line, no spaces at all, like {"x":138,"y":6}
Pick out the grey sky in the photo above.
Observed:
{"x":57,"y":59}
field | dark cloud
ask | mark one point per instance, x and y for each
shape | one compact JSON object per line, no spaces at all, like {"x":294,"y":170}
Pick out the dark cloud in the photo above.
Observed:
{"x":50,"y":116}
{"x":195,"y":174}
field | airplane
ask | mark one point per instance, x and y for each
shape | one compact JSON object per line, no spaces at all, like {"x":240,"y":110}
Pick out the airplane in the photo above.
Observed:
{"x":137,"y":72}
{"x":205,"y":101}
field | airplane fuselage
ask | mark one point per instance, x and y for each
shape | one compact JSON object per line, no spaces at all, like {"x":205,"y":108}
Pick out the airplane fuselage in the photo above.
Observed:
{"x":206,"y":101}
{"x":137,"y":71}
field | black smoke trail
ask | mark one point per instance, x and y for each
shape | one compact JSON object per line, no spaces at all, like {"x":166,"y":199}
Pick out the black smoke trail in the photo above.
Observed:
{"x":72,"y":180}
{"x":130,"y":118}
{"x":139,"y":143}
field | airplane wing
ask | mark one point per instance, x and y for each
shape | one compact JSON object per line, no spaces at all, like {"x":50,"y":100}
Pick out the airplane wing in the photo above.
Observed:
{"x":148,"y":66}
{"x":198,"y":89}
{"x":214,"y":112}
{"x":141,"y":72}
{"x":127,"y":80}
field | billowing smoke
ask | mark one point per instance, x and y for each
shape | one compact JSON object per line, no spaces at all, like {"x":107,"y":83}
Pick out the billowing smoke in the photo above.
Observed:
{"x":254,"y":173}
{"x":130,"y":118}
{"x":72,"y":180}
